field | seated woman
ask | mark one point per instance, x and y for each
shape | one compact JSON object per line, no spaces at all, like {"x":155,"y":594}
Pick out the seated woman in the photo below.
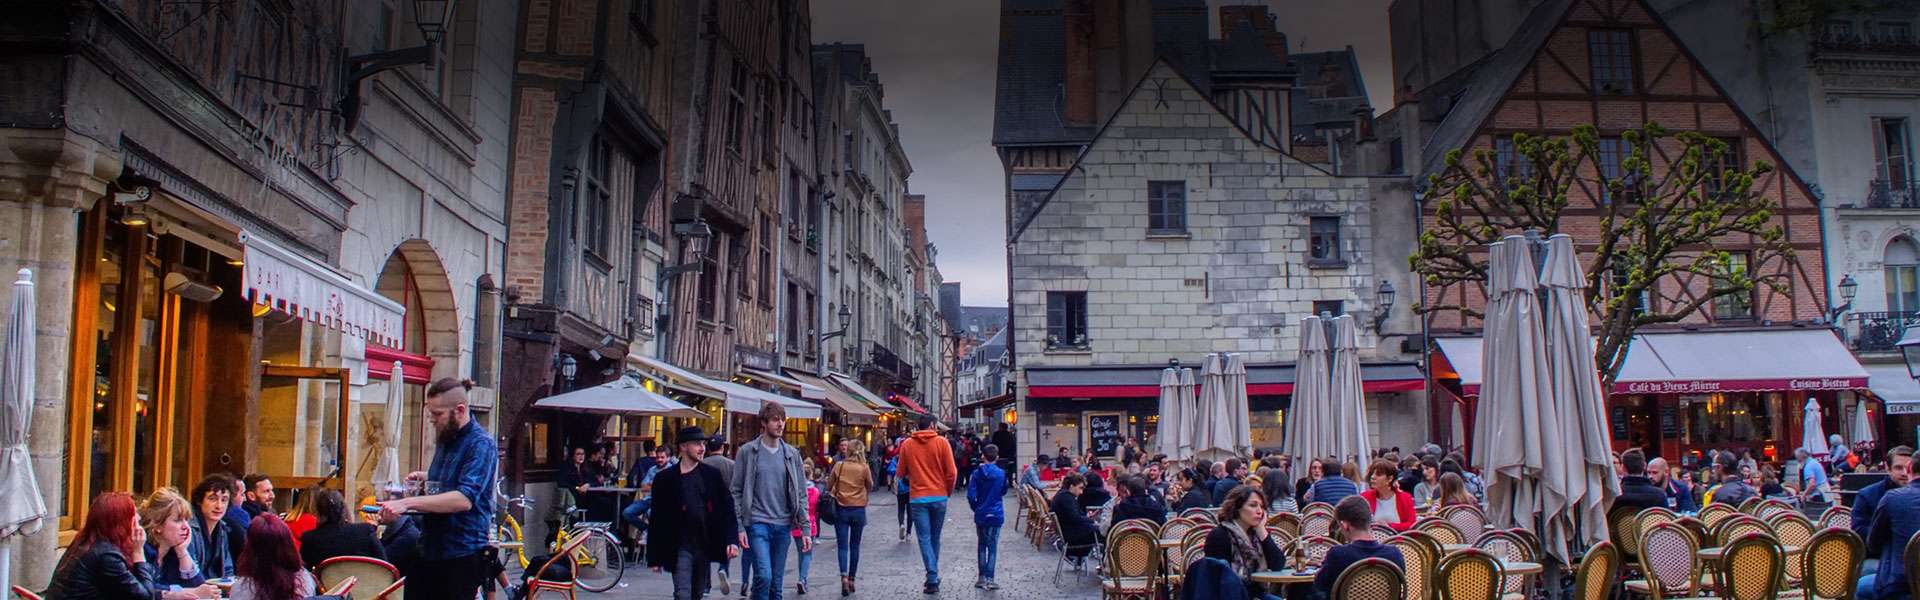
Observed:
{"x":271,"y":569}
{"x":1076,"y":529}
{"x":105,"y":559}
{"x":336,"y":534}
{"x":1096,"y":495}
{"x":1356,"y":520}
{"x":1195,"y":494}
{"x":1453,"y":490}
{"x":1384,"y":499}
{"x":165,"y":517}
{"x":1242,"y":539}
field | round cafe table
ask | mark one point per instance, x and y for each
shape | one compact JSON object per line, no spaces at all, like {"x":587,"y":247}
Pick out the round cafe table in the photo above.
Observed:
{"x":1283,"y":576}
{"x":1452,"y":548}
{"x":1514,"y":567}
{"x":1713,"y":555}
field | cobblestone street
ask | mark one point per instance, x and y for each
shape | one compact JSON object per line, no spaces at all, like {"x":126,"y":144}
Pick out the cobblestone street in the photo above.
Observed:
{"x":890,"y":567}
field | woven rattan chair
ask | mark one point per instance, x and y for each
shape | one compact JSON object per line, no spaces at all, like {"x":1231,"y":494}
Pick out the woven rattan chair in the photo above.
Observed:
{"x":1670,"y":559}
{"x":1830,"y":565}
{"x":1427,"y":539}
{"x":373,"y":575}
{"x":1132,"y":565}
{"x":1382,"y":530}
{"x":1370,"y":579}
{"x":1468,"y":575}
{"x":1913,"y":566}
{"x":1198,"y":514}
{"x":1792,"y":529}
{"x":1287,"y":521}
{"x":1736,"y":526}
{"x":1654,"y":516}
{"x":1623,"y":529}
{"x":1419,"y":559}
{"x":1316,"y":523}
{"x":1767,"y":508}
{"x":1598,"y":569}
{"x":1747,"y":506}
{"x":1837,"y":515}
{"x":1314,"y":507}
{"x":1314,"y":548}
{"x":1176,"y":528}
{"x":24,"y":593}
{"x":1711,"y":514}
{"x":1442,"y":530}
{"x":1750,"y":568}
{"x":1151,"y":527}
{"x":1468,"y":519}
{"x":1697,"y":527}
{"x":1510,"y":547}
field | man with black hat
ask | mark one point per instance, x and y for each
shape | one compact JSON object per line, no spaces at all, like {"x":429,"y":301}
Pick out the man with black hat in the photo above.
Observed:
{"x":694,"y":523}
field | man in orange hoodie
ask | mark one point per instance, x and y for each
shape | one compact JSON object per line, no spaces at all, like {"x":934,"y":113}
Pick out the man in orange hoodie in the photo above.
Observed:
{"x":926,"y":460}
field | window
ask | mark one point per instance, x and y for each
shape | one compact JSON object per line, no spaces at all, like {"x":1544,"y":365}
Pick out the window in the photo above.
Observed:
{"x":1738,"y":305}
{"x":1729,"y":165}
{"x":806,"y":312}
{"x":1508,"y":161}
{"x":596,"y":200}
{"x":1903,"y":276}
{"x":708,"y":301}
{"x":1066,"y":319}
{"x":1893,"y":152}
{"x":738,"y":247}
{"x":1329,"y":307}
{"x":1892,"y":33}
{"x":737,"y":106}
{"x":769,"y":127}
{"x":1611,"y":158}
{"x":1323,"y":241}
{"x":1839,"y":30}
{"x":767,"y":239}
{"x":1396,"y":158}
{"x":1619,"y":275}
{"x":1610,"y":54}
{"x":1166,"y":207}
{"x":793,"y":318}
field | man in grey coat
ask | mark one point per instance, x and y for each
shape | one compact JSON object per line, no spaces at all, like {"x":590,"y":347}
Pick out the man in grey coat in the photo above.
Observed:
{"x":770,"y":497}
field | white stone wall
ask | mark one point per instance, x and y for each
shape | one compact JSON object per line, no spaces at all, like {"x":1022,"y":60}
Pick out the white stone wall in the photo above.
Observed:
{"x":1239,"y":281}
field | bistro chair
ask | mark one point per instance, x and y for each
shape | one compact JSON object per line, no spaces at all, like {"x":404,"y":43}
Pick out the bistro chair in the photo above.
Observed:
{"x":1734,"y":527}
{"x":1442,"y":530}
{"x":1370,"y":579}
{"x":1750,"y":568}
{"x":1696,"y":527}
{"x":1382,"y":530}
{"x":1468,"y":575}
{"x":24,"y":593}
{"x":1281,"y":537}
{"x":1769,"y":507}
{"x":1132,"y":563}
{"x":1131,"y":524}
{"x":1468,"y":519}
{"x":1419,"y":559}
{"x":1623,"y":529}
{"x":1712,"y":514}
{"x":1069,"y":552}
{"x":1314,"y":548}
{"x":1747,"y":506}
{"x":340,"y":589}
{"x":1598,"y":568}
{"x":1836,"y":516}
{"x":1176,"y":528}
{"x":1314,"y":507}
{"x":541,"y":587}
{"x":1830,"y":565}
{"x":1792,"y":529}
{"x":1913,"y":566}
{"x":374,"y":575}
{"x":1671,"y":561}
{"x":1286,"y":521}
{"x":1198,"y":514}
{"x":1509,"y":547}
{"x":1654,"y":516}
{"x":1317,"y":523}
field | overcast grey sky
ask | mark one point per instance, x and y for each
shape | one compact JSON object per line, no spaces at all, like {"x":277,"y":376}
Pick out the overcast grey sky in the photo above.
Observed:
{"x":936,"y":59}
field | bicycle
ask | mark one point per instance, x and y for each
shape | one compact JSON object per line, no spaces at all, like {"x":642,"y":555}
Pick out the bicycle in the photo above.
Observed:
{"x":599,"y":563}
{"x":507,"y":529}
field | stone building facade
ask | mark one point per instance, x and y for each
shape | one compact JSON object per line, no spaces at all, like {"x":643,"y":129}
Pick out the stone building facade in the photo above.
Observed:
{"x":170,"y":167}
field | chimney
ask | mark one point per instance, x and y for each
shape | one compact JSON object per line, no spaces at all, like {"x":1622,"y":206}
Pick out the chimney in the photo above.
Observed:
{"x":1231,"y":16}
{"x":1079,"y":76}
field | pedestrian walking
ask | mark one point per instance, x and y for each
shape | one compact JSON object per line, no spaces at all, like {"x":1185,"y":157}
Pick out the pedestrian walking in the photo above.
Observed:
{"x":458,"y":501}
{"x":900,"y":490}
{"x":985,"y":489}
{"x":716,"y":457}
{"x":804,"y":536}
{"x":849,"y":482}
{"x":694,"y":522}
{"x":927,"y":461}
{"x":769,"y":491}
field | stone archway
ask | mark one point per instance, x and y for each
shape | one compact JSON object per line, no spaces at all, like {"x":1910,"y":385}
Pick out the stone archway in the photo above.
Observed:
{"x":414,"y":276}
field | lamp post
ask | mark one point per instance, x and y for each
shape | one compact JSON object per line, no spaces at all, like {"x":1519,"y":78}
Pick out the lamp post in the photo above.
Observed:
{"x":1383,"y":300}
{"x":567,"y":367}
{"x":1909,"y":346}
{"x":846,"y":323}
{"x":432,"y":18}
{"x":694,"y":238}
{"x":1848,"y":288}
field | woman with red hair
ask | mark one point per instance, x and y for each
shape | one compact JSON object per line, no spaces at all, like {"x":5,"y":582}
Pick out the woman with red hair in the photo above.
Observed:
{"x":271,"y":569}
{"x":107,"y":559}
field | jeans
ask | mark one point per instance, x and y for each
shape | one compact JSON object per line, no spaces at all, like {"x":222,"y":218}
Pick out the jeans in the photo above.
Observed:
{"x":806,"y":560}
{"x":900,"y":509}
{"x":1864,"y":590}
{"x":989,"y":548}
{"x":927,"y":519}
{"x":689,"y":576}
{"x":846,"y":539}
{"x":635,"y":512}
{"x":769,"y":558}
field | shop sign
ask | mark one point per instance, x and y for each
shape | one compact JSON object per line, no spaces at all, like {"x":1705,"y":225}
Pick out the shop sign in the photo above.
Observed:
{"x":1903,"y":408}
{"x":1747,"y":385}
{"x":753,"y":359}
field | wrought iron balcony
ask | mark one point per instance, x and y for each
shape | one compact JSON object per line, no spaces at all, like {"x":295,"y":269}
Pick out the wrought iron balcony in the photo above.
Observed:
{"x":1878,"y":331}
{"x":1892,"y":194}
{"x":1892,"y":42}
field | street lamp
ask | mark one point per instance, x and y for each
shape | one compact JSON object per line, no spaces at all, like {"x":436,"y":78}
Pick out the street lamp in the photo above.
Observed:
{"x":432,"y":17}
{"x":1909,"y":345}
{"x":568,"y":368}
{"x":1848,"y":287}
{"x":1383,"y":298}
{"x":846,"y":321}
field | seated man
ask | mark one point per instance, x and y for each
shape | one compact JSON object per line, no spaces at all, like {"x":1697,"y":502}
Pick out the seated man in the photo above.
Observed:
{"x":1895,"y":521}
{"x":1637,"y":491}
{"x":1355,"y":519}
{"x":1076,"y":529}
{"x":1899,"y":472}
{"x":1138,"y":503}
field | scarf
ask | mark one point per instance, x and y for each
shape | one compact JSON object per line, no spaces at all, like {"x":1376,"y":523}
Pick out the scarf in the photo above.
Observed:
{"x":1247,"y":558}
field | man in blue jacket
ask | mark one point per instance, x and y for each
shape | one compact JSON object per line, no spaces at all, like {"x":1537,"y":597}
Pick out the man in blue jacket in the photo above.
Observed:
{"x":985,"y":487}
{"x":1895,"y":521}
{"x":1899,"y":472}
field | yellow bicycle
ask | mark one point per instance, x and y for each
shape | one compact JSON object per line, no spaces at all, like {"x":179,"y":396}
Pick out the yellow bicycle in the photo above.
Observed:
{"x":598,"y":564}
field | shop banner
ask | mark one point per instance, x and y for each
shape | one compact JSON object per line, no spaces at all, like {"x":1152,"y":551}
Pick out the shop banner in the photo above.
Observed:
{"x":1739,"y":385}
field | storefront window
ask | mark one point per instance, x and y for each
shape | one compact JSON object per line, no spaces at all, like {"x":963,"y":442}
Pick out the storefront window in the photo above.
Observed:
{"x":106,"y":319}
{"x":1060,"y":429}
{"x":145,"y":396}
{"x":1727,"y":419}
{"x":1268,"y":428}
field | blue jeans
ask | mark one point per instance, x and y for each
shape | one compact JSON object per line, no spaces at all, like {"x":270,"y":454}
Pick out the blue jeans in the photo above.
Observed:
{"x":927,"y":519}
{"x":806,"y":560}
{"x":635,"y":512}
{"x":1864,"y":591}
{"x":989,"y":548}
{"x":846,"y":539}
{"x":769,"y":558}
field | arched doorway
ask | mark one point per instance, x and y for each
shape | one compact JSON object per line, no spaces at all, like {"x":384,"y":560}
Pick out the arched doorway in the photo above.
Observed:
{"x":414,"y":277}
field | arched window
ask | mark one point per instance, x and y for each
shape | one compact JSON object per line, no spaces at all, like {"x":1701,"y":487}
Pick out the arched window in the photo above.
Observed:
{"x":1903,"y":275}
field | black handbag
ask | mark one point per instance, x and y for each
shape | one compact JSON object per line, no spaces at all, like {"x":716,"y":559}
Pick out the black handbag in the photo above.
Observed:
{"x":828,"y":508}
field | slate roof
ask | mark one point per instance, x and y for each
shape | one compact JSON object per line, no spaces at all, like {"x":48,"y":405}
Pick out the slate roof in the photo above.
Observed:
{"x":1481,"y":90}
{"x":1028,"y":97}
{"x":1329,"y":87}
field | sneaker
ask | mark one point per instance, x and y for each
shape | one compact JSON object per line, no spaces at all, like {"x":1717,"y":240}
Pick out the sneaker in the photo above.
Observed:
{"x":725,"y":587}
{"x":992,"y":585}
{"x":979,"y":584}
{"x":932,"y":588}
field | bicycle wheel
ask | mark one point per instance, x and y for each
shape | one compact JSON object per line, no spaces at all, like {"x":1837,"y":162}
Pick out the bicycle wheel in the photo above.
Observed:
{"x":508,"y":532}
{"x":598,"y":564}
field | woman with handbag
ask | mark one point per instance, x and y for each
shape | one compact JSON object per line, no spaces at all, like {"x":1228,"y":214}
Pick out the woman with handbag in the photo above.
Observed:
{"x":846,"y":500}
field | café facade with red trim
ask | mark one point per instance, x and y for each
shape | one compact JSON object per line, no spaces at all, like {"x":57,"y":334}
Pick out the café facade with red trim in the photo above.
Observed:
{"x":1686,"y":392}
{"x":1068,"y":401}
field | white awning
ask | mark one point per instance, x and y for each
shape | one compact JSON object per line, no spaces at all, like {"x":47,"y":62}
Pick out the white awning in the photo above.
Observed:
{"x":1705,"y":362}
{"x":626,"y":396}
{"x":740,"y":398}
{"x":807,"y":391}
{"x":861,"y":392}
{"x":314,"y":292}
{"x":1895,"y":388}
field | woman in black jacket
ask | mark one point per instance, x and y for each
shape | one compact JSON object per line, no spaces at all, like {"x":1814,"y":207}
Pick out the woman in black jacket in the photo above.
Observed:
{"x":694,"y":522}
{"x":1196,"y":495}
{"x":1315,"y":470}
{"x":1242,"y":539}
{"x":336,"y":534}
{"x":1075,"y":528}
{"x":105,"y":560}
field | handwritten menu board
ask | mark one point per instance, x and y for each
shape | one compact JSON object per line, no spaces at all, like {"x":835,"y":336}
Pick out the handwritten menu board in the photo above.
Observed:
{"x":1103,"y":434}
{"x":1669,"y":423}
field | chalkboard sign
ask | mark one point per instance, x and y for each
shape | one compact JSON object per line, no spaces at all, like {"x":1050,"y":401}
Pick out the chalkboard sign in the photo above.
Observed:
{"x":1618,"y":422}
{"x":1669,"y":423}
{"x":1103,"y":434}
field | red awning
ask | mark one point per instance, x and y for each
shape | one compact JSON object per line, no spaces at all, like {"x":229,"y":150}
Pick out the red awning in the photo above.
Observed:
{"x":1707,"y":362}
{"x":415,"y":368}
{"x":907,"y":403}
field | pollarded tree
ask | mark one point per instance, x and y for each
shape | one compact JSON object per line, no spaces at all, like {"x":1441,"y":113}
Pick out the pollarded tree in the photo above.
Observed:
{"x":1680,"y":226}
